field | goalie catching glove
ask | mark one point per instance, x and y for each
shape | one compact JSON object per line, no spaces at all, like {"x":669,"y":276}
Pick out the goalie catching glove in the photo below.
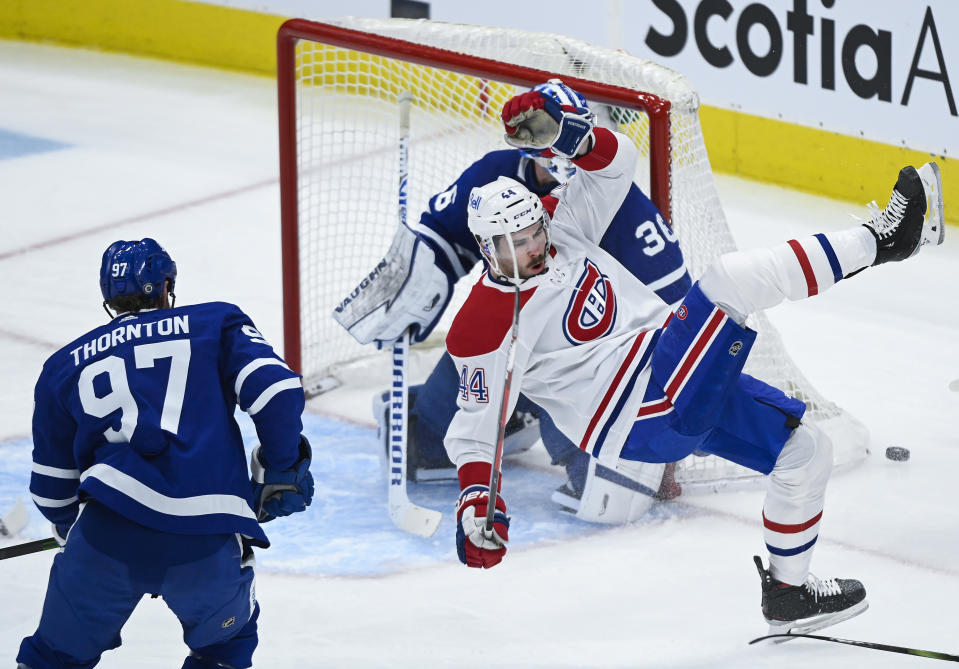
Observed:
{"x":405,"y":291}
{"x":473,"y":546}
{"x":550,"y":120}
{"x":281,"y":492}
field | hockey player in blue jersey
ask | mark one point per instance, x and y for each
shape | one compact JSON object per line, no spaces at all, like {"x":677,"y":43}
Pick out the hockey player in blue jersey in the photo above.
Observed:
{"x":139,"y":465}
{"x":441,"y":251}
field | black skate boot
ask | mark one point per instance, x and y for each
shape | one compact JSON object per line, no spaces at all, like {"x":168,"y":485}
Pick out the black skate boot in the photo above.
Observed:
{"x":799,"y":609}
{"x":913,"y":217}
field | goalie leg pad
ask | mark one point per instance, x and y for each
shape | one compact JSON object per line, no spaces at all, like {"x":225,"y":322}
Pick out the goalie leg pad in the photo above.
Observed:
{"x":621,"y":495}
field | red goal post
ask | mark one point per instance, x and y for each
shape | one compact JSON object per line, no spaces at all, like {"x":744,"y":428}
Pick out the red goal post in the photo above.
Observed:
{"x":338,"y":85}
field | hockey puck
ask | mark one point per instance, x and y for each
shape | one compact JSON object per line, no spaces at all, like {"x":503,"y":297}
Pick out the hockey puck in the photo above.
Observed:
{"x":897,"y":453}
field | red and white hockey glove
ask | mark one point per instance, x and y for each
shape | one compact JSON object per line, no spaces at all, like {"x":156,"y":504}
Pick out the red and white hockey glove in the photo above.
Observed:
{"x":538,"y":124}
{"x":473,"y":546}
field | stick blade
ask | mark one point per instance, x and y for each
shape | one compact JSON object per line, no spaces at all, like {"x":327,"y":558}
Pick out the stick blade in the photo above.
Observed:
{"x":415,"y":519}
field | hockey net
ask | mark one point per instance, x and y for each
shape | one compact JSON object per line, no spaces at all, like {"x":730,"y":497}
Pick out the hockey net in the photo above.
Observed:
{"x":339,"y":132}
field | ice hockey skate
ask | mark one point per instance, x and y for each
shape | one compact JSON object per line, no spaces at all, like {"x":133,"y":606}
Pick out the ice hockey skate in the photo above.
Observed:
{"x":800,"y":609}
{"x":913,"y":217}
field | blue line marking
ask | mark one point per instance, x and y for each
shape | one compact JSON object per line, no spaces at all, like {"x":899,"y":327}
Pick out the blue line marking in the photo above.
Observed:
{"x":15,"y":145}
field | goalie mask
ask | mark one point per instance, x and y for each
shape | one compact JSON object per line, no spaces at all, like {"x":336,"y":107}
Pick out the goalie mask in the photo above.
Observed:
{"x":511,"y":228}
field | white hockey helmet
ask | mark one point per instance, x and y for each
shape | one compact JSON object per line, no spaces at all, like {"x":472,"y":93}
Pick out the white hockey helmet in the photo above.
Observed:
{"x":499,"y":209}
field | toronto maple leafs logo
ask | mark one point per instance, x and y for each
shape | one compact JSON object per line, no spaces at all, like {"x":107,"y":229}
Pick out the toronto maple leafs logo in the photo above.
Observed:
{"x":592,"y":308}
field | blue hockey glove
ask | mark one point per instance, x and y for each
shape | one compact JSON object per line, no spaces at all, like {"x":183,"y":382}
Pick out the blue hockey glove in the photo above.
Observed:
{"x":280,"y":492}
{"x":540,"y":125}
{"x":473,"y":547}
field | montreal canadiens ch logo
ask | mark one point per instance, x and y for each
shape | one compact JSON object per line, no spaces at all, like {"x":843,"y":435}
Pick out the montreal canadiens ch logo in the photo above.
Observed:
{"x":592,"y":309}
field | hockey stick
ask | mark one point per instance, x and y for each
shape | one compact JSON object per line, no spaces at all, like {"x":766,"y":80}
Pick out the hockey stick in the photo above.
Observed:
{"x":404,"y":514}
{"x":29,"y":547}
{"x":504,"y":400}
{"x":503,"y":409}
{"x":864,"y":644}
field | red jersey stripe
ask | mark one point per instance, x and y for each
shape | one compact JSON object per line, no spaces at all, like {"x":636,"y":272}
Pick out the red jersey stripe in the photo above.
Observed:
{"x":637,"y":344}
{"x":806,"y":266}
{"x":549,"y":204}
{"x":694,"y":354}
{"x":662,"y":406}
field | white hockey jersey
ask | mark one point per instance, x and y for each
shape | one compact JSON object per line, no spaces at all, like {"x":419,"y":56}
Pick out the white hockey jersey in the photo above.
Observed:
{"x":586,"y":330}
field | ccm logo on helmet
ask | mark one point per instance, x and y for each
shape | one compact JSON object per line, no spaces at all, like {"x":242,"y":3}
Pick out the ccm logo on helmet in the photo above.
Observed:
{"x":592,"y":309}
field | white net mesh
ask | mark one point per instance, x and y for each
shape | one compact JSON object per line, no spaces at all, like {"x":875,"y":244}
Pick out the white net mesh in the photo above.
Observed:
{"x":347,"y":133}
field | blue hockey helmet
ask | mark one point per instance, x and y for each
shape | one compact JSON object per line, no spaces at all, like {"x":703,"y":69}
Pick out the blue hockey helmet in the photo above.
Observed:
{"x":137,"y":267}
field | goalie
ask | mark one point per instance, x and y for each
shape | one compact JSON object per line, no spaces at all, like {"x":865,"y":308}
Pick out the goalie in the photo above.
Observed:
{"x":428,"y":257}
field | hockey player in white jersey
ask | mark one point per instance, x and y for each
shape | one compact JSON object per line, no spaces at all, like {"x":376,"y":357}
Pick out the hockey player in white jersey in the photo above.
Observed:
{"x":139,"y":465}
{"x":629,"y":380}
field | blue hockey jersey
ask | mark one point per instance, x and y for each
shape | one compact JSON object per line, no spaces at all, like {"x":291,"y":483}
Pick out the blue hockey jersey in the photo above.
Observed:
{"x":139,"y":414}
{"x":639,"y":238}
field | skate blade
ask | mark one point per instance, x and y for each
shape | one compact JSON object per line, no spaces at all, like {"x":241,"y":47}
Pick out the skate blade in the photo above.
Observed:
{"x":934,"y":228}
{"x":807,"y":625}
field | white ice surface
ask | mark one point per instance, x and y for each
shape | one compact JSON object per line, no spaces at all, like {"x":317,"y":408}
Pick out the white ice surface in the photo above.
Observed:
{"x":189,"y":156}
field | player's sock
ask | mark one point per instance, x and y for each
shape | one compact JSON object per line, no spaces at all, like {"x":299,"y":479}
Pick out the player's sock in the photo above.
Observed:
{"x":744,"y":282}
{"x":811,"y":606}
{"x":795,"y":493}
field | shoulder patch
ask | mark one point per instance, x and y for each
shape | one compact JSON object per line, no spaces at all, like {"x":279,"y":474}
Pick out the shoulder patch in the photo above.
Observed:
{"x":483,"y":321}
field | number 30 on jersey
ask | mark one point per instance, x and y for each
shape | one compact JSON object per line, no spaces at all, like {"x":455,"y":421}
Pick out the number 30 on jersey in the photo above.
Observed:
{"x":473,"y":385}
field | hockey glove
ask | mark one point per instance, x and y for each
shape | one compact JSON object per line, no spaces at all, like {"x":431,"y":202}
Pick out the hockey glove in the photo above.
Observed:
{"x":280,"y":492}
{"x":538,"y":124}
{"x":473,"y":546}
